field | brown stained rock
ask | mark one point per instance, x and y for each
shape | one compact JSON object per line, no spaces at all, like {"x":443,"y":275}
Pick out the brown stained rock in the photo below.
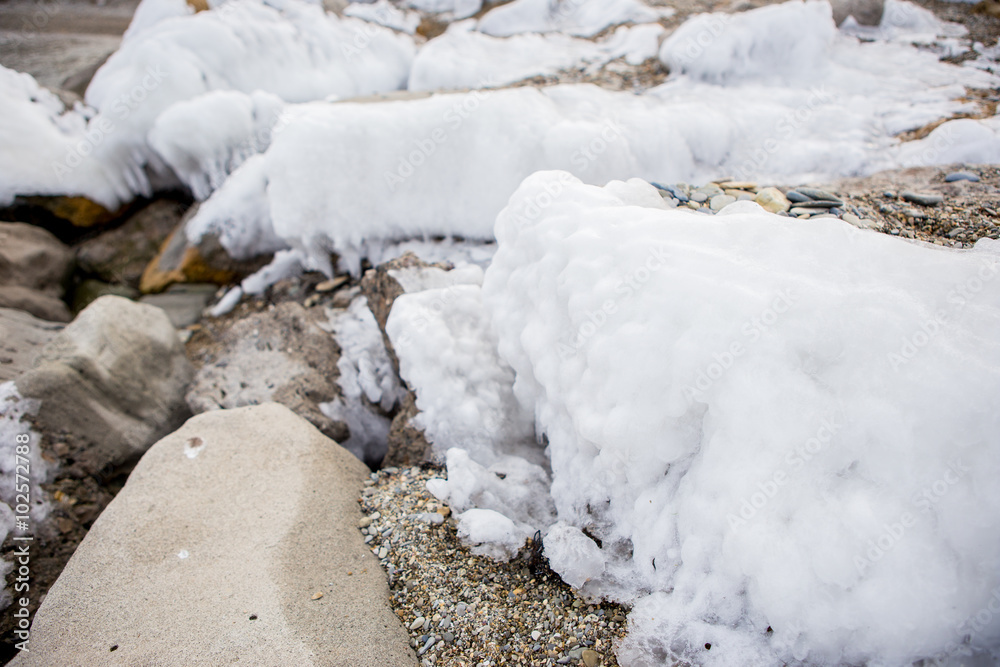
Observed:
{"x":77,"y":211}
{"x":207,"y":262}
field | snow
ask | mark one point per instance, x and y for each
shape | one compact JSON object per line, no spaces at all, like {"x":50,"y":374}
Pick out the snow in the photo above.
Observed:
{"x":464,"y":58}
{"x":385,"y":14}
{"x":780,"y":425}
{"x":14,"y":463}
{"x":368,"y":384}
{"x":906,"y":22}
{"x":457,"y":9}
{"x":581,"y":18}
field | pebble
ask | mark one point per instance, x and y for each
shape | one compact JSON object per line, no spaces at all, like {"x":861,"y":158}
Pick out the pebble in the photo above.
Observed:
{"x":773,"y":200}
{"x":693,"y":205}
{"x":796,"y":196}
{"x":923,"y":198}
{"x":738,"y":185}
{"x":718,"y":202}
{"x":797,"y":210}
{"x":699,"y":197}
{"x":815,"y":193}
{"x":820,"y":203}
{"x":961,"y":176}
{"x":591,"y":657}
{"x":332,"y":284}
{"x":484,"y":612}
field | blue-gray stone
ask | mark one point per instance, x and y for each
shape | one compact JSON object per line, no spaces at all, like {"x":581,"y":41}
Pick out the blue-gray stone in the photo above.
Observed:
{"x":923,"y":198}
{"x":961,"y":176}
{"x":814,"y":193}
{"x":796,"y":196}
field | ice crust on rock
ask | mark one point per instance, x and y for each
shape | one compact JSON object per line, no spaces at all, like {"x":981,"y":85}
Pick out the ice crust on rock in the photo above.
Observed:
{"x":765,"y":424}
{"x":465,"y":58}
{"x":582,"y":18}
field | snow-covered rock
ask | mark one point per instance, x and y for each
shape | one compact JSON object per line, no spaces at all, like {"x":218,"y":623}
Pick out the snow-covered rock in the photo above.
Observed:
{"x":582,"y":18}
{"x":765,"y":424}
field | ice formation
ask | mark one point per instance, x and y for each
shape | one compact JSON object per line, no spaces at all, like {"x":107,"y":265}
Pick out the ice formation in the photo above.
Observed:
{"x":582,"y":18}
{"x":773,"y":430}
{"x":464,"y":58}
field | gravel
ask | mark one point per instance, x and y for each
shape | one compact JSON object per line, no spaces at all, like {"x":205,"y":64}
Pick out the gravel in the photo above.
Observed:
{"x":466,"y":610}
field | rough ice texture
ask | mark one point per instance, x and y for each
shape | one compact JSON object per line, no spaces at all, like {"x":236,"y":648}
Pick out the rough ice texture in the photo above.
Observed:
{"x":30,"y":467}
{"x":766,"y":424}
{"x":368,"y":383}
{"x":384,"y":13}
{"x":464,"y":58}
{"x":812,"y":104}
{"x":583,"y":18}
{"x":288,"y":48}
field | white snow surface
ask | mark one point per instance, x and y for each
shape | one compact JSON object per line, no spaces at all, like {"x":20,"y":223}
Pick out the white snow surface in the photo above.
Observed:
{"x":368,"y":384}
{"x":766,"y":424}
{"x":288,"y":48}
{"x":582,"y":18}
{"x":16,"y":461}
{"x":386,"y":14}
{"x":465,"y":58}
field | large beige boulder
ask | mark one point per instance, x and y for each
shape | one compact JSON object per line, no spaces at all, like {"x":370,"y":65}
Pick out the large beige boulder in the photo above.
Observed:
{"x":215,"y":552}
{"x":109,"y":384}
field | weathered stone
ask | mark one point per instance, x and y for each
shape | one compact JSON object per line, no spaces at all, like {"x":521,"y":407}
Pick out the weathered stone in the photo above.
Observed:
{"x":37,"y":303}
{"x":77,"y":211}
{"x":183,"y":304}
{"x":279,"y":355}
{"x":34,"y":269}
{"x":773,"y":200}
{"x":110,"y":383}
{"x":22,"y":337}
{"x":214,"y":551}
{"x":179,"y":261}
{"x":122,"y":254}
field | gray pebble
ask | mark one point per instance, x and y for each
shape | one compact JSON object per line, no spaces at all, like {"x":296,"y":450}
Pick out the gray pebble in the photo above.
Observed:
{"x":719,"y":202}
{"x":460,"y":609}
{"x":889,"y":194}
{"x":448,"y":636}
{"x":820,"y":203}
{"x":836,"y":211}
{"x":923,"y":198}
{"x":955,"y":232}
{"x":699,"y":197}
{"x":815,"y":193}
{"x":427,"y":646}
{"x":796,"y":196}
{"x":961,"y":176}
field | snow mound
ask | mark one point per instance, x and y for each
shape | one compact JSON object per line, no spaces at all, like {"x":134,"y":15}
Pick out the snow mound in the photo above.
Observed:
{"x":781,"y":435}
{"x":464,"y":58}
{"x":582,"y":18}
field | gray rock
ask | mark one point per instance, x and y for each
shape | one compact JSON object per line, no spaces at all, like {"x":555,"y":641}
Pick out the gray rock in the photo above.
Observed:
{"x":183,"y":303}
{"x":214,"y":551}
{"x":922,"y":198}
{"x":279,"y":355}
{"x":35,"y":267}
{"x":817,"y":194}
{"x":22,"y":338}
{"x":699,"y":197}
{"x":795,"y":196}
{"x":121,"y":254}
{"x":820,"y":203}
{"x":719,"y":202}
{"x":110,"y":384}
{"x":961,"y":176}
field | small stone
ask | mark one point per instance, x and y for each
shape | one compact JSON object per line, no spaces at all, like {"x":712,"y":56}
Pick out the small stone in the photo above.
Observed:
{"x":889,"y":194}
{"x":815,"y":193}
{"x":416,"y":623}
{"x":719,"y":202}
{"x":591,"y":658}
{"x":955,"y":232}
{"x":772,"y":199}
{"x":923,"y":198}
{"x":796,"y":196}
{"x":699,"y":197}
{"x":801,"y":211}
{"x":448,"y":637}
{"x":738,"y":185}
{"x":961,"y":176}
{"x":693,"y":205}
{"x":820,"y":203}
{"x":364,"y":522}
{"x":332,"y":284}
{"x":744,"y":196}
{"x":460,"y":609}
{"x":536,"y":635}
{"x":851,"y":218}
{"x":317,"y":595}
{"x":382,"y":552}
{"x":836,"y":211}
